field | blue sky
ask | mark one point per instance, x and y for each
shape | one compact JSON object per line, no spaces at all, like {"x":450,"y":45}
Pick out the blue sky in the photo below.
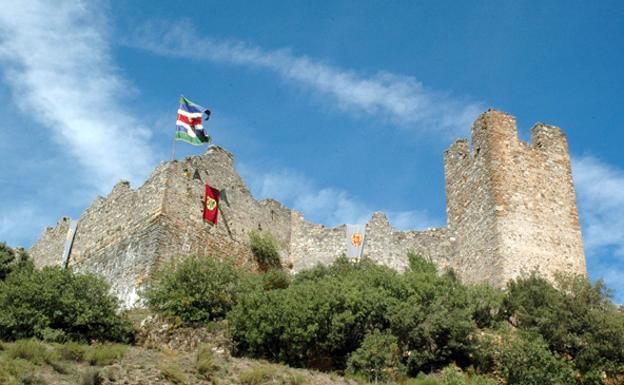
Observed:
{"x":336,"y":108}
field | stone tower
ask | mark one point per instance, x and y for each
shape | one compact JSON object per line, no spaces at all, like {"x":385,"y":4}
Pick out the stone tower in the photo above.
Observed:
{"x":511,"y":205}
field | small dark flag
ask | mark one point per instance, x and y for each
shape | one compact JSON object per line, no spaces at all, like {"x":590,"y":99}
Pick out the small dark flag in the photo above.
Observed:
{"x":211,"y":204}
{"x":196,"y":175}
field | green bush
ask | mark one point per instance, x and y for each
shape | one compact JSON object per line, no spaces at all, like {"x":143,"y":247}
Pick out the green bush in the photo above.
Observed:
{"x":319,"y":319}
{"x":527,"y":361}
{"x":275,"y":279}
{"x":324,"y":314}
{"x":13,"y":260}
{"x":577,"y":320}
{"x":378,"y":358}
{"x":56,"y":303}
{"x":487,"y":304}
{"x":420,"y":265}
{"x":434,"y":322}
{"x":265,"y":249}
{"x":197,"y":289}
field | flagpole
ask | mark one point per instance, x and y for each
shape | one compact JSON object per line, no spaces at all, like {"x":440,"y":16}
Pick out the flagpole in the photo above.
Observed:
{"x":173,"y":148}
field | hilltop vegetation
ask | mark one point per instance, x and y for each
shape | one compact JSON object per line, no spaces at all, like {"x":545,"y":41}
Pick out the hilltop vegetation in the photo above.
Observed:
{"x":374,"y":323}
{"x":364,"y":321}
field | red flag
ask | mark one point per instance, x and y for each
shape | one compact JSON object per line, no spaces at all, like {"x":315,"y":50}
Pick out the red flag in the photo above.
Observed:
{"x":211,"y":204}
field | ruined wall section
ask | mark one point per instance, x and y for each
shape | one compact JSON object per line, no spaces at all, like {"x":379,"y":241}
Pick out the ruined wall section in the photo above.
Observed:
{"x":49,"y":247}
{"x":118,"y":236}
{"x":153,"y":225}
{"x":239,"y":213}
{"x":127,"y":262}
{"x":123,"y":212}
{"x":313,"y":244}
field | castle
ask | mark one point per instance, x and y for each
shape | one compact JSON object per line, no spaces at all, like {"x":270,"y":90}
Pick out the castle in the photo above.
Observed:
{"x":511,"y":209}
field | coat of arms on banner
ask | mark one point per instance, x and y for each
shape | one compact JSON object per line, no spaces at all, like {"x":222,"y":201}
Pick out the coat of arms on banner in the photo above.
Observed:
{"x":355,"y":241}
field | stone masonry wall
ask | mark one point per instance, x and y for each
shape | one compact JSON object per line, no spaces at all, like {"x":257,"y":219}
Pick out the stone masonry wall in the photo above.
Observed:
{"x":512,"y":205}
{"x":50,"y":245}
{"x":511,"y":208}
{"x":536,"y":205}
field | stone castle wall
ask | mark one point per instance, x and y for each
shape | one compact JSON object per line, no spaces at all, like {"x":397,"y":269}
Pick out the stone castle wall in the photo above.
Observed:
{"x":511,"y":204}
{"x":511,"y":207}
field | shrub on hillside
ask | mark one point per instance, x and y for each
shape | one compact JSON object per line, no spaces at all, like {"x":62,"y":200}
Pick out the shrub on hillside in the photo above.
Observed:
{"x":57,"y":303}
{"x":486,"y":304}
{"x":420,"y":265}
{"x":197,"y":289}
{"x":378,"y":358}
{"x":434,"y":324}
{"x":13,"y":259}
{"x":275,"y":279}
{"x":265,"y":250}
{"x":319,"y":319}
{"x":577,"y":321}
{"x":526,"y":360}
{"x":325,"y":313}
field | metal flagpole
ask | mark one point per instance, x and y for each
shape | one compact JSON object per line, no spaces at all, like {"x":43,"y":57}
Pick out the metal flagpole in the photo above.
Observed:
{"x":173,"y":148}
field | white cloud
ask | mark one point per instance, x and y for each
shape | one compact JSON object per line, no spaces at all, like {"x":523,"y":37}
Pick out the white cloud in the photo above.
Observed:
{"x":56,"y":58}
{"x":600,"y":194}
{"x":403,"y":100}
{"x":326,"y":205}
{"x":600,"y":189}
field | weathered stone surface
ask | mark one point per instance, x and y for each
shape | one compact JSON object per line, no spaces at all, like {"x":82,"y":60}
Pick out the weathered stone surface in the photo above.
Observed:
{"x":512,"y":205}
{"x":511,"y":208}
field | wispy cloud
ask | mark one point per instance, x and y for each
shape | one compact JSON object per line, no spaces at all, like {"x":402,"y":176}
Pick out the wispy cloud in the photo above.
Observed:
{"x":326,"y":205}
{"x":600,"y":191}
{"x":402,"y":100}
{"x":56,"y":58}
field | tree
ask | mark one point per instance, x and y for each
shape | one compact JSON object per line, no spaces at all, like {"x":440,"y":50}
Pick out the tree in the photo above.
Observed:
{"x":13,"y":259}
{"x":196,"y":289}
{"x":58,"y":304}
{"x":378,"y":358}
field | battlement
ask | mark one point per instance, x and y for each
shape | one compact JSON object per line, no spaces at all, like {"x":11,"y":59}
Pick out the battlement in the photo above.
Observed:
{"x":497,"y":133}
{"x":511,"y":208}
{"x":512,"y":203}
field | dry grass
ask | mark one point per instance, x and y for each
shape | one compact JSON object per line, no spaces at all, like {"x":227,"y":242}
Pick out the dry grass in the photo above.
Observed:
{"x":137,"y":365}
{"x":205,"y":361}
{"x":174,"y":373}
{"x":106,"y":354}
{"x":72,"y":351}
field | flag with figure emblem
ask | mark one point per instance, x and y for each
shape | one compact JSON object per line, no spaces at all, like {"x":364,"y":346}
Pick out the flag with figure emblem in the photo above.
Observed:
{"x":189,"y":127}
{"x":211,"y":204}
